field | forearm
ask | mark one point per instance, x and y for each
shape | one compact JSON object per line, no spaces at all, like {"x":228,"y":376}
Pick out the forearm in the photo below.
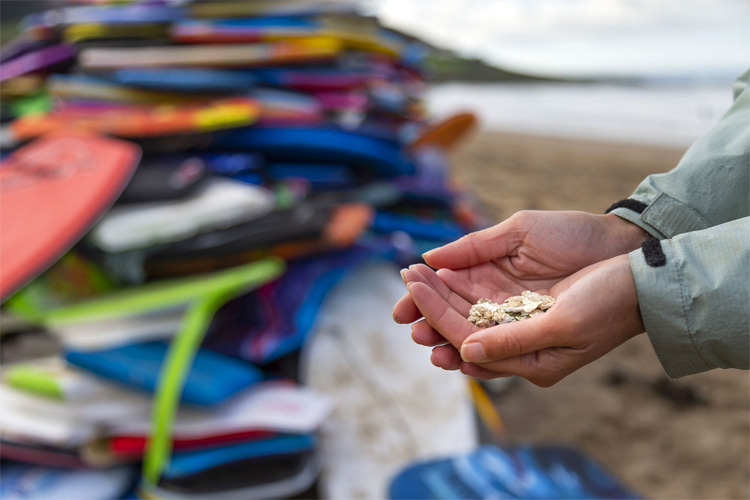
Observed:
{"x":695,"y":305}
{"x":709,"y":185}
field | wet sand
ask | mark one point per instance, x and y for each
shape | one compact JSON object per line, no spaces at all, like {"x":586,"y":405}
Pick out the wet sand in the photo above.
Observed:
{"x":688,"y":438}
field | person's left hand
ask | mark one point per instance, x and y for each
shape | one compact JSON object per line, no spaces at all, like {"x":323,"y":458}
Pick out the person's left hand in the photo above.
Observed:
{"x":596,"y":310}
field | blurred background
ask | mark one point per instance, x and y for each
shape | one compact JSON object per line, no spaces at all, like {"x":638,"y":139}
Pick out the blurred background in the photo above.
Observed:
{"x":445,"y":117}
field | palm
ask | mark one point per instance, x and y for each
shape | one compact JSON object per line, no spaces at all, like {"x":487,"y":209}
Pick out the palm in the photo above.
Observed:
{"x":490,"y":281}
{"x":548,"y":249}
{"x":551,"y":246}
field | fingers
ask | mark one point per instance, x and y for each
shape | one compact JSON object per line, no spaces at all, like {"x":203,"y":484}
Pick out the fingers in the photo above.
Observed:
{"x":525,"y":366}
{"x":405,"y":311}
{"x":543,"y":368}
{"x":446,"y":357}
{"x":422,"y":333}
{"x":477,"y":371}
{"x":510,"y":340}
{"x":440,"y":315}
{"x":420,"y":272}
{"x":475,"y":248}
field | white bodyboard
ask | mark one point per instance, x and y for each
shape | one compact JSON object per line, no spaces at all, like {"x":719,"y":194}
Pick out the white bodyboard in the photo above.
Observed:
{"x":391,"y":405}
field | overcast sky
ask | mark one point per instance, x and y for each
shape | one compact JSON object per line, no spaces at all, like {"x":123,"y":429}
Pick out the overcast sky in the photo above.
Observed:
{"x":586,"y":37}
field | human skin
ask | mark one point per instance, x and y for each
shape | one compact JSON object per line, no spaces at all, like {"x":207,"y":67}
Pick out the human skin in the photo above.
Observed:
{"x":578,"y":258}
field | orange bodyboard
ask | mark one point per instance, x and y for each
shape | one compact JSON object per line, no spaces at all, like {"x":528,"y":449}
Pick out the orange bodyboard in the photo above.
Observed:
{"x":51,"y":192}
{"x":446,"y":133}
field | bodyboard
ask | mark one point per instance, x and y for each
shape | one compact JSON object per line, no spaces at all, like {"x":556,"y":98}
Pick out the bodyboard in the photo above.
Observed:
{"x":379,"y":156}
{"x":53,"y":191}
{"x":212,"y":378}
{"x":33,"y":481}
{"x":391,"y":405}
{"x":447,"y":133}
{"x":509,"y":472}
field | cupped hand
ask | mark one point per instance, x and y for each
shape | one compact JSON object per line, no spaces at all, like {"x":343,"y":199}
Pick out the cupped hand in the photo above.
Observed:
{"x":596,"y":310}
{"x":459,"y":289}
{"x":532,"y":250}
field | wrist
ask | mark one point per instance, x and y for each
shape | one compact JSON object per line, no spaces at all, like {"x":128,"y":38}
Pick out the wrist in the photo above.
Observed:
{"x":622,"y":235}
{"x":629,"y":295}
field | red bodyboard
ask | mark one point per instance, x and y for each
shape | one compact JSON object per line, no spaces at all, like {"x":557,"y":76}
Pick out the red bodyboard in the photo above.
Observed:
{"x":51,"y":192}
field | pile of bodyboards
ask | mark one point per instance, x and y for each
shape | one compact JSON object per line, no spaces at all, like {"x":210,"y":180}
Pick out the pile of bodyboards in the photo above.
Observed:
{"x":185,"y":184}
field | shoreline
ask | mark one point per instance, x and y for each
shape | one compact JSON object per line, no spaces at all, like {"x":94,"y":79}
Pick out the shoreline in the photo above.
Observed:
{"x":655,"y":114}
{"x":583,"y":140}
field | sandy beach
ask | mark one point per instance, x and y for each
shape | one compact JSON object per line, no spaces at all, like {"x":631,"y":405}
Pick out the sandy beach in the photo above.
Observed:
{"x":688,"y":438}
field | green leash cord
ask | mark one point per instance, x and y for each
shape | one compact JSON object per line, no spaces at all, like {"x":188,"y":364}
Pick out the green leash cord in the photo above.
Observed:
{"x":178,"y":361}
{"x":174,"y":371}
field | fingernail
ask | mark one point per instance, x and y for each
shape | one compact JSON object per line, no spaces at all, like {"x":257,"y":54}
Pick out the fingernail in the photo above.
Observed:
{"x":395,"y":318}
{"x":473,"y":352}
{"x":403,"y":274}
{"x":427,"y":254}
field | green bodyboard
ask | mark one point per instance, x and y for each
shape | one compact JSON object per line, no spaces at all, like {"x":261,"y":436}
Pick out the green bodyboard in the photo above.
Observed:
{"x":160,"y":295}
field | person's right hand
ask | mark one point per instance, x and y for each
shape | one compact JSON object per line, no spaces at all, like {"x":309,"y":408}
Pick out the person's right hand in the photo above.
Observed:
{"x":532,"y":250}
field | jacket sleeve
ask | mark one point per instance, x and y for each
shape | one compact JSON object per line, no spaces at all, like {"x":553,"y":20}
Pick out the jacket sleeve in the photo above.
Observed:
{"x":695,"y":301}
{"x":710,"y":184}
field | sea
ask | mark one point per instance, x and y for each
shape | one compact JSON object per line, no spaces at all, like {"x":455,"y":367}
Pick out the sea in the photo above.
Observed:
{"x":664,"y":113}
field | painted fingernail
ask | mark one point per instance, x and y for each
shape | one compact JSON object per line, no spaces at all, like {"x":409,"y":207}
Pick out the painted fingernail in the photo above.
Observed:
{"x":473,"y":352}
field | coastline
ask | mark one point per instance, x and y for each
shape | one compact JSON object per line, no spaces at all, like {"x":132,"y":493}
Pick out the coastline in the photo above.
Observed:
{"x":672,"y":114}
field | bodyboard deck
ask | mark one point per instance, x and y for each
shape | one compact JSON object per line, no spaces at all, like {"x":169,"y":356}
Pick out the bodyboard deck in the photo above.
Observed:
{"x":391,"y":406}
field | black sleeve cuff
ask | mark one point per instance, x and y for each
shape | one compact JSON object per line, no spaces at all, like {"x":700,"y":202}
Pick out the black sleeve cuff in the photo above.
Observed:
{"x":634,"y":205}
{"x":653,"y":252}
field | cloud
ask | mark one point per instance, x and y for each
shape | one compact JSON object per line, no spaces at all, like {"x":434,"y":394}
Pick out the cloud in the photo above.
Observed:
{"x":641,"y":36}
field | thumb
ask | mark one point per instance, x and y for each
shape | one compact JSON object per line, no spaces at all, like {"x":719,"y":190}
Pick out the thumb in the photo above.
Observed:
{"x":508,"y":340}
{"x":475,"y":248}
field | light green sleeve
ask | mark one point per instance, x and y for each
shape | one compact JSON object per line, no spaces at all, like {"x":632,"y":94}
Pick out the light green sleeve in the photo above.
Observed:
{"x":696,"y":307}
{"x":710,"y":184}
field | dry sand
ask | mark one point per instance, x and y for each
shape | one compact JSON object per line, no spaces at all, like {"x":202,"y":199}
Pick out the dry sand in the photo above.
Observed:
{"x":688,"y":438}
